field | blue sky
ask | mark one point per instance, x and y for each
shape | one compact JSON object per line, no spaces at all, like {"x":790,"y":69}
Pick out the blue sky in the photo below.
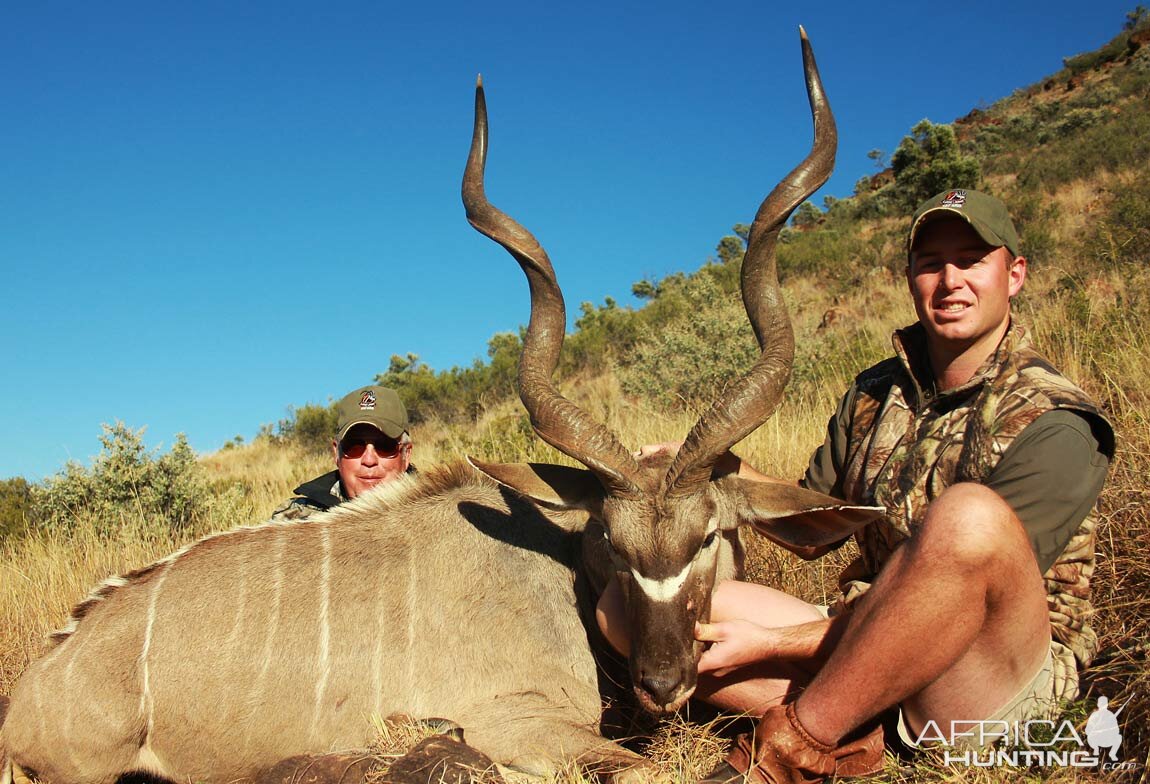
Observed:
{"x":212,"y":211}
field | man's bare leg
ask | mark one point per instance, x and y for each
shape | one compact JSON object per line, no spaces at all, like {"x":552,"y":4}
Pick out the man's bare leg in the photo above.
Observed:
{"x":955,"y":625}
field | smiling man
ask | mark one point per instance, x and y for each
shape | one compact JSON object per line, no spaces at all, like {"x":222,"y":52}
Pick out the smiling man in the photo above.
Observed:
{"x":371,"y":447}
{"x":968,"y":606}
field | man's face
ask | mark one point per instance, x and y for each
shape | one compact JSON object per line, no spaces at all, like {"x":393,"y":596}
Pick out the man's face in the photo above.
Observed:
{"x":961,"y":286}
{"x":366,"y":457}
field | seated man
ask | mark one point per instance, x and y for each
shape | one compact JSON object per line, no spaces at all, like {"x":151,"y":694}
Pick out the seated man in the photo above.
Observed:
{"x":970,"y":599}
{"x":371,"y":446}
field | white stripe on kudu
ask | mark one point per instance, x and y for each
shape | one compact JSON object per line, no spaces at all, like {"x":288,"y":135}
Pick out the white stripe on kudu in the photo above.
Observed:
{"x":324,"y":625}
{"x":663,"y":590}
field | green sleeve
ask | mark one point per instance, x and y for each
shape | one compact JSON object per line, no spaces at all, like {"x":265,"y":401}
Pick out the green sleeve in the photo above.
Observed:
{"x":824,"y":473}
{"x":1051,"y":476}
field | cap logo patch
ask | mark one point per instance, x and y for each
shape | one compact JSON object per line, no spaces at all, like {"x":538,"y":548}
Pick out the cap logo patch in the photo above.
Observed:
{"x":367,"y":399}
{"x":954,"y":199}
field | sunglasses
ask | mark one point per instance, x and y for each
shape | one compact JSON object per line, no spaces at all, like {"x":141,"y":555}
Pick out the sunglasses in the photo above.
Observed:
{"x":386,"y":448}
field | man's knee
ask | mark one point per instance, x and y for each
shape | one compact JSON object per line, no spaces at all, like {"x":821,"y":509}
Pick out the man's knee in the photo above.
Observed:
{"x":971,"y":524}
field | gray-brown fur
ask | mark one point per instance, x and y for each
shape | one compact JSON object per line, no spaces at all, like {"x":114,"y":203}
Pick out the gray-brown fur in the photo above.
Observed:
{"x":444,"y":596}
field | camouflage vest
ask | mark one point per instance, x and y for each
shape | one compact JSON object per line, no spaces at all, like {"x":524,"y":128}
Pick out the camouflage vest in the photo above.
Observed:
{"x":905,"y":447}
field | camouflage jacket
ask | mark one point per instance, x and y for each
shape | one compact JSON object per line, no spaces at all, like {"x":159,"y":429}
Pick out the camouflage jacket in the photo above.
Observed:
{"x":315,"y":496}
{"x":318,"y":495}
{"x":906,"y":444}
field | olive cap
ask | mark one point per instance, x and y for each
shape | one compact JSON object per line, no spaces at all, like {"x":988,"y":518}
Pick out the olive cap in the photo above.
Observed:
{"x":985,"y":214}
{"x":376,"y":406}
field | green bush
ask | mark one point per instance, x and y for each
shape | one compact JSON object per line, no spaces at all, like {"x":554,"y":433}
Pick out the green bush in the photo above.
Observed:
{"x":1120,"y":141}
{"x":703,"y":342}
{"x":829,"y":253}
{"x":1121,"y":236}
{"x":1035,"y":217}
{"x":311,"y":426}
{"x":126,"y":482}
{"x":929,"y":161}
{"x":15,"y":502}
{"x":457,"y":395}
{"x":601,"y":334}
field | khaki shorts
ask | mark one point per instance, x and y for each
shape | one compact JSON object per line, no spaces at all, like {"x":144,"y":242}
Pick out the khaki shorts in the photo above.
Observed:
{"x":1042,"y":698}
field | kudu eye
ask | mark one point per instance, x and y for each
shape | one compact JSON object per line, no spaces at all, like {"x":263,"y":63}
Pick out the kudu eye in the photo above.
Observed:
{"x":616,"y":559}
{"x":710,"y":540}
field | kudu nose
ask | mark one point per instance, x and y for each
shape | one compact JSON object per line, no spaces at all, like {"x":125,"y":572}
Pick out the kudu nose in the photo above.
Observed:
{"x":662,"y":687}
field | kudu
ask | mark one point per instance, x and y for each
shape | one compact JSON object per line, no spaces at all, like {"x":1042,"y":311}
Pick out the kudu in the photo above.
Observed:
{"x":664,"y":521}
{"x":441,"y":595}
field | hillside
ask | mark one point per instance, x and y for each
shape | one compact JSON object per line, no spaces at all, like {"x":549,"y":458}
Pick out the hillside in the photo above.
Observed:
{"x":1068,"y":155}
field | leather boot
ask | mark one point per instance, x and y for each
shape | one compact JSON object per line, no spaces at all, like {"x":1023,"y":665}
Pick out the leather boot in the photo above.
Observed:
{"x":781,"y":751}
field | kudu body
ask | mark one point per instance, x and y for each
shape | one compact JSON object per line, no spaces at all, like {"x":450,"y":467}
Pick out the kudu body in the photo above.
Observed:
{"x":442,"y":595}
{"x":439,"y":596}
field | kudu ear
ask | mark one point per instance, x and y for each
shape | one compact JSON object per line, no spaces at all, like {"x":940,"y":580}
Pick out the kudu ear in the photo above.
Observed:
{"x":554,"y":486}
{"x":795,"y":516}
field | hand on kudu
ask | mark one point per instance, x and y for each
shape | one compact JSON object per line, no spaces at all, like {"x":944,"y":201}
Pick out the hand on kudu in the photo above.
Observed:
{"x":668,"y":447}
{"x":735,"y":643}
{"x":728,"y":462}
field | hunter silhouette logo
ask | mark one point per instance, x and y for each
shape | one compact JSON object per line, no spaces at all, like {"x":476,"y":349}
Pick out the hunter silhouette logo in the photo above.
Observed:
{"x":1102,"y":729}
{"x":367,"y":399}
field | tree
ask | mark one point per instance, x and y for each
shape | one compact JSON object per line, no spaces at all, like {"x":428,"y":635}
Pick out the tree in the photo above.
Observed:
{"x":643,"y":289}
{"x":730,"y":248}
{"x":1135,"y":18}
{"x":15,"y":503}
{"x":311,"y":426}
{"x":929,"y":161}
{"x":807,"y":216}
{"x":421,"y":389}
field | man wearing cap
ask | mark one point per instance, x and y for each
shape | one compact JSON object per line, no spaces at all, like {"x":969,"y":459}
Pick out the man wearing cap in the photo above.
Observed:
{"x":969,"y":602}
{"x":371,"y":447}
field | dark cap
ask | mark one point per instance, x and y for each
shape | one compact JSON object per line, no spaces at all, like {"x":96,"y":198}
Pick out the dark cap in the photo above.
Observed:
{"x":376,"y":406}
{"x":985,"y":214}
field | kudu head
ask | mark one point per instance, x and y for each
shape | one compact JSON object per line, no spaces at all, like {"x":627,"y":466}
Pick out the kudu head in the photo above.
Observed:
{"x":664,"y":517}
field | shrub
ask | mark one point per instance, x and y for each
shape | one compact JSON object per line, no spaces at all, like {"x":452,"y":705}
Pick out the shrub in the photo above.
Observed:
{"x":929,"y":161}
{"x":702,"y":343}
{"x":311,"y":426}
{"x":15,"y":501}
{"x":601,"y":334}
{"x":125,"y":482}
{"x":1121,"y":141}
{"x":1121,"y":236}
